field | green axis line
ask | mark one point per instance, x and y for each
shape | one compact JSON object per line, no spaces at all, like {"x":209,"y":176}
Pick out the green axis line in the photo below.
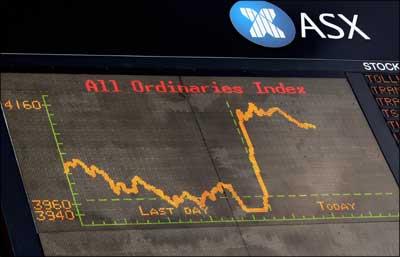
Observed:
{"x":211,"y":221}
{"x":60,"y":155}
{"x":237,"y":128}
{"x":263,"y":220}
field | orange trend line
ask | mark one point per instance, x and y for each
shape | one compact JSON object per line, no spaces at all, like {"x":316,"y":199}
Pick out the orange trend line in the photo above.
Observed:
{"x":248,"y":115}
{"x":177,"y":200}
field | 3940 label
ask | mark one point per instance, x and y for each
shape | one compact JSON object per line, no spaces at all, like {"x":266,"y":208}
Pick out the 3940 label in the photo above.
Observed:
{"x":53,"y":210}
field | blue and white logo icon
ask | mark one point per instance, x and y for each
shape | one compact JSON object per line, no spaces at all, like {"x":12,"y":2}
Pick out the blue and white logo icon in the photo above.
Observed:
{"x":262,"y":23}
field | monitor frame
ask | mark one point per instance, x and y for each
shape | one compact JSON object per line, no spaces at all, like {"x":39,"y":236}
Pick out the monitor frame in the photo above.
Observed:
{"x":21,"y":232}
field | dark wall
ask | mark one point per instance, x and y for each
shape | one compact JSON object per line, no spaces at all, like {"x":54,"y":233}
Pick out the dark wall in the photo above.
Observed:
{"x":188,"y":28}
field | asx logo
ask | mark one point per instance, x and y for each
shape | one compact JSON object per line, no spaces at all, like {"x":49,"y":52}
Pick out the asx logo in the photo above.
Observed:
{"x":262,"y":23}
{"x":266,"y":24}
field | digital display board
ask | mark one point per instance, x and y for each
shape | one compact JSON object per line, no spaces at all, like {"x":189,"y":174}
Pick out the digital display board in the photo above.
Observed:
{"x":135,"y":160}
{"x":386,"y":91}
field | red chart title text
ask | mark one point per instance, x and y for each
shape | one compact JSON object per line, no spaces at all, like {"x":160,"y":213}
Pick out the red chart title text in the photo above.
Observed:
{"x":169,"y":87}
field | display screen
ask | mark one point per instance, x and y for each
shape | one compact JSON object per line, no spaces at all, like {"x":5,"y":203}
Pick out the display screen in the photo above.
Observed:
{"x":116,"y":157}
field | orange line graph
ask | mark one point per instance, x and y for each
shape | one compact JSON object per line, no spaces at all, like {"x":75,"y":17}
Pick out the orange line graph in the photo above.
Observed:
{"x":219,"y":188}
{"x":248,"y":115}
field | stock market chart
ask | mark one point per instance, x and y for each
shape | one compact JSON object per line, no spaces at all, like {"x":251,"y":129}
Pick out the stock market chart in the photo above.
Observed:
{"x":159,"y":154}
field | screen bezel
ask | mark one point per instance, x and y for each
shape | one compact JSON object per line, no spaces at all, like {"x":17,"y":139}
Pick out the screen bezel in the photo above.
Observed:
{"x":23,"y":237}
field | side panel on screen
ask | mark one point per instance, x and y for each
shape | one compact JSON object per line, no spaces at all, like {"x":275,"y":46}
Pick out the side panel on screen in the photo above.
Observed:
{"x":376,"y":122}
{"x":23,"y":237}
